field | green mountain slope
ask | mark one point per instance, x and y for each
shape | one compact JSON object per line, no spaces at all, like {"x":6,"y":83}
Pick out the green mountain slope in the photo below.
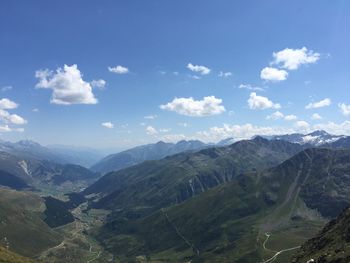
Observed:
{"x":22,"y":224}
{"x":7,"y":256}
{"x":229,"y":223}
{"x":331,"y":245}
{"x":155,"y":184}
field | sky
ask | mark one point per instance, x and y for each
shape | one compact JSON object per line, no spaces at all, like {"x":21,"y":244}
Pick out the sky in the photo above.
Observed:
{"x":117,"y":74}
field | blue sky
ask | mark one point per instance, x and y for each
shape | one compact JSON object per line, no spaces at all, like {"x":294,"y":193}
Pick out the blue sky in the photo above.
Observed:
{"x":204,"y":50}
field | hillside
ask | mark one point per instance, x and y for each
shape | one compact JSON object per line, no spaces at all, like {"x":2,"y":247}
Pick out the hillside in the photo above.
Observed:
{"x":228,"y":223}
{"x":19,"y":173}
{"x":156,"y":151}
{"x":7,"y":256}
{"x":331,"y":245}
{"x":22,"y":224}
{"x":155,"y":184}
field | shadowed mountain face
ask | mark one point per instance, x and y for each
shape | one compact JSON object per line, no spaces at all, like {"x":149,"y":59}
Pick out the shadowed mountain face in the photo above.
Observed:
{"x":223,"y":223}
{"x":331,"y":245}
{"x":176,"y":178}
{"x":143,"y":153}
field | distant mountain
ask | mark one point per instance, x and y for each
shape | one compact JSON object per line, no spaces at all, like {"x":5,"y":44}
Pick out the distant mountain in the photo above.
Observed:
{"x":231,"y":222}
{"x":19,"y":173}
{"x":331,"y":245}
{"x":77,"y":155}
{"x":179,"y":177}
{"x":343,"y":142}
{"x":226,"y":142}
{"x":316,"y":138}
{"x":31,"y":149}
{"x":156,"y":151}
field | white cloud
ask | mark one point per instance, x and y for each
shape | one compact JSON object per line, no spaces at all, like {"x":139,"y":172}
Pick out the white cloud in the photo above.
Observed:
{"x":118,"y":69}
{"x":150,"y":117}
{"x":5,"y":128}
{"x":316,"y":116}
{"x":275,"y":116}
{"x":291,"y":59}
{"x":302,"y":126}
{"x":290,"y":117}
{"x":7,"y":104}
{"x":239,"y":132}
{"x":345,"y":109}
{"x":165,"y":130}
{"x":35,"y":110}
{"x":334,"y":128}
{"x":279,"y":115}
{"x":6,"y":88}
{"x":142,"y":124}
{"x":256,"y":102}
{"x":6,"y":117}
{"x":151,"y":130}
{"x":196,"y":108}
{"x":67,"y":85}
{"x":203,"y":70}
{"x":195,"y":77}
{"x":100,"y":83}
{"x":322,"y":103}
{"x":224,"y":74}
{"x":107,"y":124}
{"x":250,"y":87}
{"x":273,"y":74}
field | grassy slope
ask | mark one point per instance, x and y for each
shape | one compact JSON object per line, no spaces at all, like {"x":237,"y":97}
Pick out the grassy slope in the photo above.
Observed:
{"x":6,"y":256}
{"x":21,"y":223}
{"x":228,"y":223}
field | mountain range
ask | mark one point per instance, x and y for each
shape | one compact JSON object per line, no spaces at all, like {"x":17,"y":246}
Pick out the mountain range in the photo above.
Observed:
{"x":143,"y":153}
{"x":254,"y":200}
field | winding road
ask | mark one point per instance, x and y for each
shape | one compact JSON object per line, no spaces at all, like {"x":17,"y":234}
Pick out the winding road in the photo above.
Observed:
{"x":274,"y":257}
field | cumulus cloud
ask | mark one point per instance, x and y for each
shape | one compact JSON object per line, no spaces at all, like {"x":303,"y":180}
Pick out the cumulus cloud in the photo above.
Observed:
{"x":322,"y":103}
{"x":239,"y":132}
{"x":250,"y":87}
{"x":108,"y":125}
{"x":203,"y":70}
{"x":292,"y":59}
{"x":302,"y":126}
{"x":223,"y":74}
{"x":100,"y":83}
{"x":6,"y":117}
{"x":256,"y":102}
{"x":334,"y":128}
{"x":118,"y":69}
{"x":150,"y":130}
{"x":67,"y":85}
{"x":275,"y":116}
{"x":279,"y":115}
{"x":150,"y":117}
{"x":273,"y":74}
{"x":316,"y":116}
{"x":196,"y":108}
{"x":7,"y":104}
{"x":345,"y":109}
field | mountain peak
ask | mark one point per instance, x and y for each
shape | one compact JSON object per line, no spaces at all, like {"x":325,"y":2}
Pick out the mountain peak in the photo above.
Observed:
{"x":319,"y":133}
